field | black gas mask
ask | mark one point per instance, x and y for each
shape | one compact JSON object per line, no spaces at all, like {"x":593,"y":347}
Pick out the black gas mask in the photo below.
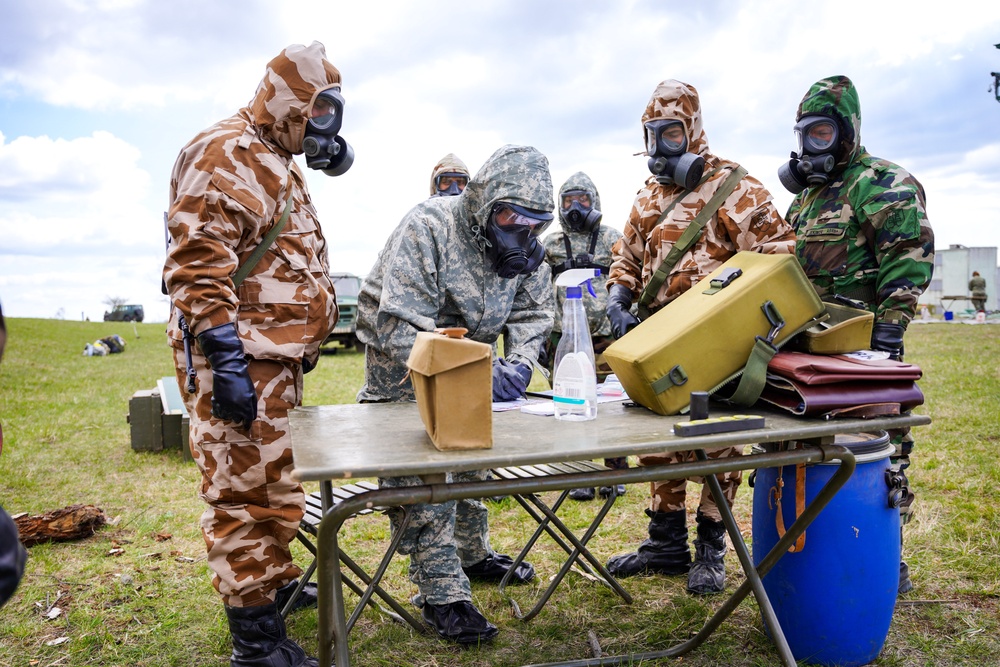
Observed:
{"x":819,"y":146}
{"x":450,"y":183}
{"x":669,"y":161}
{"x":577,"y":210}
{"x":512,"y":239}
{"x":325,"y":150}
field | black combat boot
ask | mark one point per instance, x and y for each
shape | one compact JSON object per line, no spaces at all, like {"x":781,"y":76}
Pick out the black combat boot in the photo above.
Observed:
{"x":459,"y":622}
{"x":306,"y":599}
{"x":618,"y":463}
{"x":708,"y":572}
{"x":495,"y":566}
{"x":666,"y":551}
{"x":583,"y":493}
{"x":259,"y":639}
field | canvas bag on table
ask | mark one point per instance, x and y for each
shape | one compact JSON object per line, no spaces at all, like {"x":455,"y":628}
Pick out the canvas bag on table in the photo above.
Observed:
{"x":453,"y":382}
{"x":729,"y":324}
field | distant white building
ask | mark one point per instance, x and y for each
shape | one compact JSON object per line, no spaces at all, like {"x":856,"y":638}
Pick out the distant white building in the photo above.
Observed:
{"x":953,"y":267}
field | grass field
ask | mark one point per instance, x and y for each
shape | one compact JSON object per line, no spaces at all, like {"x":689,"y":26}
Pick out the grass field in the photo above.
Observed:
{"x":139,"y":593}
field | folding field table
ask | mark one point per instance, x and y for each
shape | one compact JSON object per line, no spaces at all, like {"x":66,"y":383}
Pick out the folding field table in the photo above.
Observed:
{"x":341,"y":442}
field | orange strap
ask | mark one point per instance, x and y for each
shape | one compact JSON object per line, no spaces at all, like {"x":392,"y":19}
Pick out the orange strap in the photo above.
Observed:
{"x":774,"y":501}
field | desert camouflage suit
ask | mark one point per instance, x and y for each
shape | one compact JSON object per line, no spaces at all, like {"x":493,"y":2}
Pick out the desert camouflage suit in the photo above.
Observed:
{"x":228,"y":188}
{"x":746,"y":220}
{"x":587,"y":250}
{"x":450,"y":163}
{"x":865,"y":234}
{"x":433,"y":272}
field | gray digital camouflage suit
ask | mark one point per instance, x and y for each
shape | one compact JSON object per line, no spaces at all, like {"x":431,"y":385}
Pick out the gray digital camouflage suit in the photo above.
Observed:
{"x":433,"y":272}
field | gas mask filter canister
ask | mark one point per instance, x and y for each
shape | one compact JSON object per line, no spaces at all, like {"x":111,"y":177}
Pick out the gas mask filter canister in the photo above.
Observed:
{"x":323,"y":148}
{"x":669,"y":161}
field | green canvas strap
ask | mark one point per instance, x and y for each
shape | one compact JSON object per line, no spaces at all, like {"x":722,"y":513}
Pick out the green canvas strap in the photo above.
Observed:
{"x":258,"y":252}
{"x":754,"y":375}
{"x":688,"y":237}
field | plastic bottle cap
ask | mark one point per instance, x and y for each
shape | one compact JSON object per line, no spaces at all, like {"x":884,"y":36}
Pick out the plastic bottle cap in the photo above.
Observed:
{"x":574,"y":292}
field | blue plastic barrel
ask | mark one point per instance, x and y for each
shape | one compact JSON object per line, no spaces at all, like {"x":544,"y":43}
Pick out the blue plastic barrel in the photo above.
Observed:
{"x":835,"y":598}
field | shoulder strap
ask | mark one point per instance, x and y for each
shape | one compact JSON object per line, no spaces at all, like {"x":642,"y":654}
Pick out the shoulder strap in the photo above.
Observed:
{"x":243,"y":271}
{"x":688,"y":237}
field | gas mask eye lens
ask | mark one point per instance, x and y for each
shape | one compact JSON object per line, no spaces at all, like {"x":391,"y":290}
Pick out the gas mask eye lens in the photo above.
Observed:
{"x":325,"y":110}
{"x":451,"y":183}
{"x":581,"y":198}
{"x":673,"y":137}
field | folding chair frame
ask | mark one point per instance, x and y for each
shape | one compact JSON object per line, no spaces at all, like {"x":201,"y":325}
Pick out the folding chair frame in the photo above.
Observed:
{"x":317,"y":505}
{"x":546,"y":520}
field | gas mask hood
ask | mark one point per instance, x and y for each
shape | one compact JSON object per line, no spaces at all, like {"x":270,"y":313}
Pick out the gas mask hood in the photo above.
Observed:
{"x":323,"y":148}
{"x":669,"y":161}
{"x":819,"y":149}
{"x":512,"y":245}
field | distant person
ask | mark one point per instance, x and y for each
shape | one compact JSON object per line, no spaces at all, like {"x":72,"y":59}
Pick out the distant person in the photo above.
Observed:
{"x":862,"y":229}
{"x":471,"y":261}
{"x":13,"y":555}
{"x":685,"y":177}
{"x":583,"y":243}
{"x":977,"y":286}
{"x":231,"y":185}
{"x":449,"y":177}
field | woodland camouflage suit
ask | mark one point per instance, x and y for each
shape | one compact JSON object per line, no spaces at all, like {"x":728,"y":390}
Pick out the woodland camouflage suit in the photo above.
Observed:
{"x":747,"y":220}
{"x":865,"y":234}
{"x":433,"y":272}
{"x":596,"y":245}
{"x":228,"y":187}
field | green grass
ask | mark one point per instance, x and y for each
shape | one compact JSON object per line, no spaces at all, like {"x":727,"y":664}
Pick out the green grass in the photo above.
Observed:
{"x":67,"y":442}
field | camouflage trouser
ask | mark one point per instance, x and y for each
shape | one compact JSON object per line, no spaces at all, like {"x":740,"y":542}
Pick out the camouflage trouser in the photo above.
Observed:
{"x":254,"y":506}
{"x":670,"y":495}
{"x":442,"y":538}
{"x":899,"y":462}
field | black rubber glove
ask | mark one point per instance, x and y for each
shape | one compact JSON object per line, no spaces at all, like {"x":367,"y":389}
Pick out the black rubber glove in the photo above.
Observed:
{"x":510,"y":380}
{"x":619,"y":303}
{"x":888,"y":338}
{"x":233,"y":395}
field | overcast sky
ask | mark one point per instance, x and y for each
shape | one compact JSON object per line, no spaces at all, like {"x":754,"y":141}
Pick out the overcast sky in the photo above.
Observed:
{"x":97,"y":98}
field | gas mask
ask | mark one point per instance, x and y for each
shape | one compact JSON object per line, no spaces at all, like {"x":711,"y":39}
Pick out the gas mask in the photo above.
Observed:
{"x":512,"y":239}
{"x":669,"y":161}
{"x":450,"y":183}
{"x":325,"y":150}
{"x":819,"y":147}
{"x":577,"y":210}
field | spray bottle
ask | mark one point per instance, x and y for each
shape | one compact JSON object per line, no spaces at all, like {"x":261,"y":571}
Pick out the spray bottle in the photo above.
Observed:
{"x":574,"y":383}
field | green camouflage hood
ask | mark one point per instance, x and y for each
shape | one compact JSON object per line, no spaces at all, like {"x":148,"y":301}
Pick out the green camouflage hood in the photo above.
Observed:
{"x":578,"y":181}
{"x":449,"y":163}
{"x":837,"y":97}
{"x":675,"y":100}
{"x":515,"y":174}
{"x":290,"y":84}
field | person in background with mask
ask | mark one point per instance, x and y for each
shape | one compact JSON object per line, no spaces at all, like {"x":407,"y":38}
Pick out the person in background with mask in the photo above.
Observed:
{"x":686,"y":177}
{"x":862,"y":229}
{"x":449,"y":177}
{"x":583,"y":243}
{"x":248,"y":347}
{"x":470,"y":261}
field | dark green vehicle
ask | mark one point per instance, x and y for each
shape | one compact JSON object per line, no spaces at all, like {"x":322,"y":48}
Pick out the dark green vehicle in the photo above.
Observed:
{"x":347,"y":285}
{"x":125,"y":313}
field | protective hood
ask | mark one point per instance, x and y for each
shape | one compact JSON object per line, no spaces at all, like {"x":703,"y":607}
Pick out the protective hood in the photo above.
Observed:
{"x":837,"y":97}
{"x":450,"y":163}
{"x":675,"y":100}
{"x":578,"y":181}
{"x":284,"y":95}
{"x":513,"y":174}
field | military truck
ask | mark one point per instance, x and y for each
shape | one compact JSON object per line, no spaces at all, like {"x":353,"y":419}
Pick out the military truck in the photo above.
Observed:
{"x":125,"y":313}
{"x":347,"y":285}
